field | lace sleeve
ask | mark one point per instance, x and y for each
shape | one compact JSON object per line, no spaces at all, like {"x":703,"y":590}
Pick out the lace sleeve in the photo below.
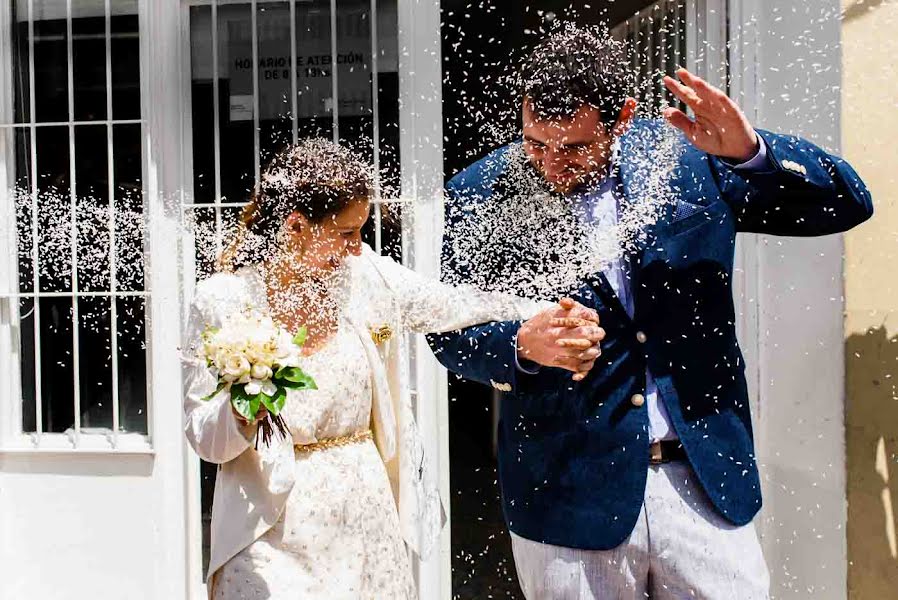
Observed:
{"x":430,"y":306}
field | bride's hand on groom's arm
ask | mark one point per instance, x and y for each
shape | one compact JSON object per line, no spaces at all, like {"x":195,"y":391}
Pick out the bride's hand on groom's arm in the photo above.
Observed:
{"x":566,"y":337}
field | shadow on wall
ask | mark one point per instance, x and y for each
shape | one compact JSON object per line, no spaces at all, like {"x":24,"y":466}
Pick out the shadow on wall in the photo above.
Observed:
{"x":872,"y":448}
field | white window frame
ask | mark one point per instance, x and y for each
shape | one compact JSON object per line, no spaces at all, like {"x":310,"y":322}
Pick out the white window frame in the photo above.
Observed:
{"x":421,"y":152}
{"x":13,"y":439}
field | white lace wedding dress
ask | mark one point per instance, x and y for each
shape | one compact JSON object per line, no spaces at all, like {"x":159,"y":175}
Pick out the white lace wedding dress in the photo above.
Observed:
{"x":337,"y":522}
{"x":338,"y":537}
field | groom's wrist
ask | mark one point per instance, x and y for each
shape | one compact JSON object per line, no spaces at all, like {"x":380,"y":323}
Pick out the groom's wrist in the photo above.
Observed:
{"x":522,"y":364}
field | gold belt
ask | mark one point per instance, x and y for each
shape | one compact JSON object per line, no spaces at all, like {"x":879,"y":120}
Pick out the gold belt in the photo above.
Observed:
{"x":336,"y":442}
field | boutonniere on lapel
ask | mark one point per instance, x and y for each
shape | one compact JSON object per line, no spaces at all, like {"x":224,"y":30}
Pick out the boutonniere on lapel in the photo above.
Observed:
{"x":381,"y":334}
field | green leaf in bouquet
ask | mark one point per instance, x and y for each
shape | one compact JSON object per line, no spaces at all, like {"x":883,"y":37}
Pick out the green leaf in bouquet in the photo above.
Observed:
{"x":246,"y":406}
{"x":275,"y":404}
{"x":295,"y":378}
{"x":300,"y":338}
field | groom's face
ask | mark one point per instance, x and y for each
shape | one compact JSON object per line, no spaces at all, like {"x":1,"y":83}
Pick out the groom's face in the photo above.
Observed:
{"x":567,"y":152}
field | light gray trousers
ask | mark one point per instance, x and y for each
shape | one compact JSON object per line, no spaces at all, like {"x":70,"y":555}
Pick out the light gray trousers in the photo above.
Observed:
{"x":680,"y":549}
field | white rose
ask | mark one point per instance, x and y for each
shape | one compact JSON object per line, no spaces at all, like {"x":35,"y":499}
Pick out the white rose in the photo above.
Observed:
{"x":255,"y":386}
{"x":235,"y":368}
{"x":261,"y":371}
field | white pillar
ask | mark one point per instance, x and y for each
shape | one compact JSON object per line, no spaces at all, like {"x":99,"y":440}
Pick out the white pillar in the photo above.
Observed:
{"x":421,"y":156}
{"x":164,"y":106}
{"x":794,"y":63}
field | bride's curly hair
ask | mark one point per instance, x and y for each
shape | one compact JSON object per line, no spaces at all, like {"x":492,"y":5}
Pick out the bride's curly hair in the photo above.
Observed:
{"x":315,"y":177}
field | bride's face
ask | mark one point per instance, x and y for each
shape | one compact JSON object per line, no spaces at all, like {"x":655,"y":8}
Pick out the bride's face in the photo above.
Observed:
{"x":322,"y":246}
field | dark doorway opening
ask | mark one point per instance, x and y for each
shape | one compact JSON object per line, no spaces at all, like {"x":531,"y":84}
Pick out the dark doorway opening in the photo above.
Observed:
{"x":480,"y":43}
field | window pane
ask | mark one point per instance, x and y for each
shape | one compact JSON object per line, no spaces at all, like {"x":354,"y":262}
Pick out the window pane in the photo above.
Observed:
{"x":388,"y":96}
{"x":353,"y":58}
{"x":237,"y":142}
{"x":314,"y":88}
{"x":54,"y":215}
{"x":20,"y":47}
{"x":213,"y":233}
{"x":390,"y":229}
{"x":57,"y":373}
{"x":202,"y":98}
{"x":130,"y":219}
{"x":275,"y":107}
{"x":125,"y":60}
{"x":92,"y":224}
{"x":95,"y":363}
{"x":51,"y":84}
{"x":89,"y":66}
{"x":26,"y":356}
{"x":132,"y":364}
{"x":25,"y":212}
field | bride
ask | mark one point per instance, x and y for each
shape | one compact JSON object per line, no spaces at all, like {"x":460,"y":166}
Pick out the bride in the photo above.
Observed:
{"x":328,"y":511}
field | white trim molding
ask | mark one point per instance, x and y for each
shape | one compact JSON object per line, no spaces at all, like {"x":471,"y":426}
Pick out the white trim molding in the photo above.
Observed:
{"x":421,"y":155}
{"x":800,"y":432}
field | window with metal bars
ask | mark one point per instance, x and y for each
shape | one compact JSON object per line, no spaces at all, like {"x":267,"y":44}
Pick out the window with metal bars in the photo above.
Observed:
{"x":72,"y":187}
{"x":669,"y":34}
{"x":657,"y":39}
{"x":264,"y":74}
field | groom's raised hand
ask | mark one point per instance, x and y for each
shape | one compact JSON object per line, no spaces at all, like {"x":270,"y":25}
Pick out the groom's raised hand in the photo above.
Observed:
{"x":566,"y":337}
{"x":719,"y":126}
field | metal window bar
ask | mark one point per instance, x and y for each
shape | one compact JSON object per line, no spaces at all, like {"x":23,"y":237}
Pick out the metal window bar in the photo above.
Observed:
{"x":647,"y":59}
{"x":216,"y":127}
{"x":95,"y":122}
{"x":80,"y":294}
{"x":375,"y":128}
{"x":335,"y":97}
{"x":73,"y":198}
{"x":110,"y":165}
{"x":257,"y":158}
{"x":32,"y":107}
{"x":679,"y":15}
{"x":664,"y":40}
{"x":196,"y":205}
{"x":294,"y":86}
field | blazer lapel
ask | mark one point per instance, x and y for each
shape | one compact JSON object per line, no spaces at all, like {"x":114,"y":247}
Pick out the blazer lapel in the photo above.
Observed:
{"x":635,"y":168}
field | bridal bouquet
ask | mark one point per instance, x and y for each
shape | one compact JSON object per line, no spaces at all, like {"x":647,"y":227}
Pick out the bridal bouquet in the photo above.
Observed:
{"x":256,"y":361}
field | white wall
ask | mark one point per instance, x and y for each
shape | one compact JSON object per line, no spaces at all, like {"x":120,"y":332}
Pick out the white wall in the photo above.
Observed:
{"x":799,"y":297}
{"x":74,"y":527}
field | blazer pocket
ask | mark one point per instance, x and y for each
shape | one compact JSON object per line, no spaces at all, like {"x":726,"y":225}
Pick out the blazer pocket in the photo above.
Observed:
{"x":707,"y":214}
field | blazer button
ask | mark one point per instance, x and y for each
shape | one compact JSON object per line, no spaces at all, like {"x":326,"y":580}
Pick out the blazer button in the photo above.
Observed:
{"x":637,"y":400}
{"x":641,"y":337}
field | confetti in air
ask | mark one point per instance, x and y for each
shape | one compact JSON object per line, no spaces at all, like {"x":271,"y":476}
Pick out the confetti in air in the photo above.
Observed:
{"x":534,"y":241}
{"x":106,"y":239}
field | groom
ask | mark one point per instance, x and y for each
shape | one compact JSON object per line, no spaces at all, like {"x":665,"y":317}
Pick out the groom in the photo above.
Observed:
{"x":640,"y":480}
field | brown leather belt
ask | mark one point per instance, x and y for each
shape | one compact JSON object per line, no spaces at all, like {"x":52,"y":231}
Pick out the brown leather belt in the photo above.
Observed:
{"x":666,"y":451}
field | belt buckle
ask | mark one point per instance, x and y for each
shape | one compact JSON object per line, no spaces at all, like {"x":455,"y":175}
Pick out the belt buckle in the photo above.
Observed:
{"x":656,"y":454}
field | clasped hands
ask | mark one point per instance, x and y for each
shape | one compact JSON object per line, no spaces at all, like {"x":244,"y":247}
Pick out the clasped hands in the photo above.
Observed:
{"x":566,"y":337}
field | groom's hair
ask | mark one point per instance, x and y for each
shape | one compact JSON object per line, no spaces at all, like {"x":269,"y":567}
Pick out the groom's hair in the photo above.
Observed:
{"x":577,"y":66}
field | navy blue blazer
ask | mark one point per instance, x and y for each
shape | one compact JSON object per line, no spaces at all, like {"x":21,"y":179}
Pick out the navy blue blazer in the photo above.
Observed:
{"x":573,"y":457}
